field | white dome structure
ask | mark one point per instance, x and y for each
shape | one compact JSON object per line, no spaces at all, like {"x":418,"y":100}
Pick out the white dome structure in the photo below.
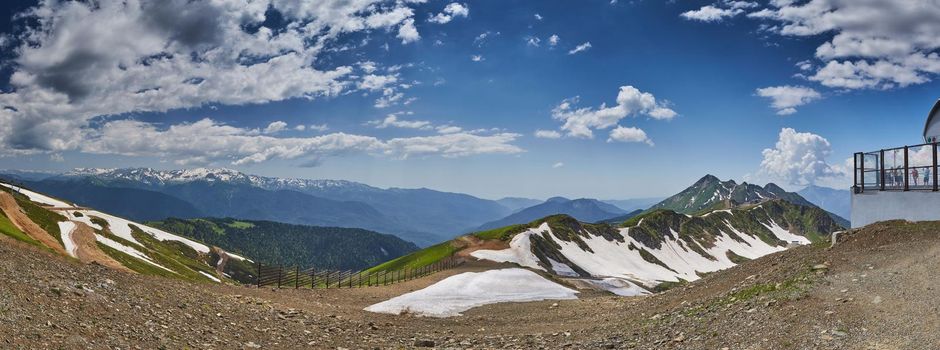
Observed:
{"x":932,"y":127}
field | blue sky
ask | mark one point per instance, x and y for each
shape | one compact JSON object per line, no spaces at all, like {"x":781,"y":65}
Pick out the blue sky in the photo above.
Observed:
{"x":103,"y":86}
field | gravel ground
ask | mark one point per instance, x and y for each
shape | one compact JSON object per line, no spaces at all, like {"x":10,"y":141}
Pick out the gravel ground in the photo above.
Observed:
{"x":873,"y":290}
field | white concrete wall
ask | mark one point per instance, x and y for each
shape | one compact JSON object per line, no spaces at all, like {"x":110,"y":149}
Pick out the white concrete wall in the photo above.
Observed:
{"x":875,"y":206}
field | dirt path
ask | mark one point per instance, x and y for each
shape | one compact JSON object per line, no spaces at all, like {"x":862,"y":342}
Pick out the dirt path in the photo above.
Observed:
{"x":87,"y":250}
{"x":13,"y":211}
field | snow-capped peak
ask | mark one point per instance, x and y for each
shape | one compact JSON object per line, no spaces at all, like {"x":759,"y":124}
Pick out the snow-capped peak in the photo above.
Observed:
{"x":155,"y":177}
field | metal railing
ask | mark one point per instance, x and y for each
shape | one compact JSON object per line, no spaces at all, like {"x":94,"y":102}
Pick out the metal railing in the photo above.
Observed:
{"x":908,"y":168}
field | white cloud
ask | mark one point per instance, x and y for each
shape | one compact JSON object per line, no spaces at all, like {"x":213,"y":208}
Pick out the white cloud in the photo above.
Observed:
{"x":786,"y":98}
{"x":207,"y":141}
{"x":477,"y":58}
{"x":448,"y":129}
{"x":558,"y":165}
{"x":710,"y":13}
{"x":451,"y":11}
{"x":538,"y":17}
{"x":872,"y":44}
{"x":78,"y":60}
{"x":547,"y":134}
{"x":484,"y":38}
{"x":407,"y":32}
{"x":533,"y":41}
{"x":579,"y":122}
{"x":453,"y":145}
{"x":580,"y":48}
{"x":275,"y":127}
{"x":622,"y":134}
{"x":319,"y":127}
{"x":799,"y":159}
{"x":553,"y":40}
{"x":377,"y":82}
{"x":393,"y":121}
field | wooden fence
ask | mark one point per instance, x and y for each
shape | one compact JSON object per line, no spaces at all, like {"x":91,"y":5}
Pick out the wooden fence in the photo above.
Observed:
{"x":280,"y":276}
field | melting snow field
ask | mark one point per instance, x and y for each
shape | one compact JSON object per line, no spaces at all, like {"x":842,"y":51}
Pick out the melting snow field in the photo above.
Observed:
{"x":39,"y":198}
{"x":617,"y":286}
{"x":66,"y":227}
{"x":614,"y":262}
{"x":462,"y":292}
{"x":519,"y":251}
{"x":121,"y":228}
{"x":128,"y":250}
{"x":211,"y":277}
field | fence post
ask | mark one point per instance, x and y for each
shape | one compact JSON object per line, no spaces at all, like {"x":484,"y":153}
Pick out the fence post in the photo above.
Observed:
{"x":327,"y":278}
{"x":882,"y":163}
{"x":313,"y":278}
{"x":360,"y":279}
{"x":259,"y":275}
{"x":906,"y":172}
{"x":934,"y":146}
{"x":350,"y":278}
{"x":296,"y":276}
{"x":280,"y":273}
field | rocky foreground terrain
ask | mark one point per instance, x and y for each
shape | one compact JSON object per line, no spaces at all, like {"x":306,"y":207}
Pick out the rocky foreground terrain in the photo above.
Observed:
{"x":875,"y":289}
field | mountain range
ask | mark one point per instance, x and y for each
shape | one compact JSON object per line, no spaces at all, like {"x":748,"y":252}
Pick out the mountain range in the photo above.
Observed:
{"x":835,"y":201}
{"x":584,"y":209}
{"x":650,"y":252}
{"x":422,"y":216}
{"x":710,"y":193}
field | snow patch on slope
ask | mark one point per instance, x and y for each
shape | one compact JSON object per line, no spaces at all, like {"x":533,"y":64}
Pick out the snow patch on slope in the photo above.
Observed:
{"x":459,"y":293}
{"x":128,"y":250}
{"x":39,"y":198}
{"x":211,"y":277}
{"x":66,"y":227}
{"x":519,"y":251}
{"x":612,"y":259}
{"x":617,"y":286}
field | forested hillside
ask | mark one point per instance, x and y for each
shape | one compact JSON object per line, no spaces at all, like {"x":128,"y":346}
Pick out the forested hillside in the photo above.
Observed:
{"x":279,"y":243}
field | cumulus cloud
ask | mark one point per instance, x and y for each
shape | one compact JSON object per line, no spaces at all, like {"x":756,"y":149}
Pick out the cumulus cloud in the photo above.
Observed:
{"x":710,"y":13}
{"x":392,"y":121}
{"x":448,"y":129}
{"x":451,"y":11}
{"x":579,"y":122}
{"x":377,"y":82}
{"x":631,"y":134}
{"x":799,"y":159}
{"x":873,"y":44}
{"x":558,"y":165}
{"x":786,"y":98}
{"x":477,"y":58}
{"x":547,"y":134}
{"x":275,"y":127}
{"x":580,"y":48}
{"x":407,"y":32}
{"x":79,"y":60}
{"x":319,"y":127}
{"x":208,"y":141}
{"x":553,"y":40}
